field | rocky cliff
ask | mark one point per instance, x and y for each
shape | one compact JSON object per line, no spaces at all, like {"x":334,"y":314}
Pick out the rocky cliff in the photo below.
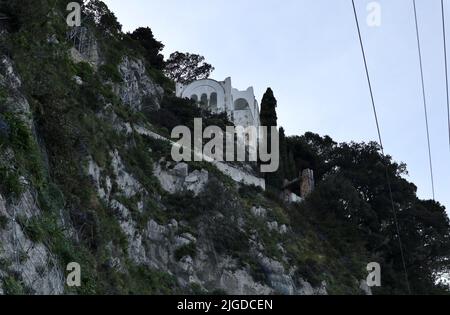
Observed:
{"x":185,"y":223}
{"x":83,"y":180}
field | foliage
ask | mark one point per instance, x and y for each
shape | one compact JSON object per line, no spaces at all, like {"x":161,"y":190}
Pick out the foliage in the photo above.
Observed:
{"x":186,"y":250}
{"x":3,"y":222}
{"x":3,"y":95}
{"x":151,"y":48}
{"x":269,"y":119}
{"x":12,"y":286}
{"x":151,"y":282}
{"x":106,"y":21}
{"x":344,"y":224}
{"x":185,"y":68}
{"x":10,"y":186}
{"x":351,"y":208}
{"x":110,"y":72}
{"x":26,"y":160}
{"x":268,"y":109}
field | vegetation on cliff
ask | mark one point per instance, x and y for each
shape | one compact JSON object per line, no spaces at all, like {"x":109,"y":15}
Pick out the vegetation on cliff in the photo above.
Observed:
{"x":343,"y":225}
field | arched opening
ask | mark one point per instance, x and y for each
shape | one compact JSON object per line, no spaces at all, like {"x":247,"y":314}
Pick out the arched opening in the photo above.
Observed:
{"x":241,"y":104}
{"x":213,"y":101}
{"x":194,"y":98}
{"x":204,"y":100}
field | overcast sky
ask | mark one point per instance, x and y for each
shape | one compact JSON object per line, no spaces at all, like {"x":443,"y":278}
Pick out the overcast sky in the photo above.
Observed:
{"x":308,"y":52}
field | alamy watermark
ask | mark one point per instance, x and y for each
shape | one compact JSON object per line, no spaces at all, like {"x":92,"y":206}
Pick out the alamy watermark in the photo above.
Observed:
{"x":74,"y":276}
{"x":374,"y":277}
{"x":235,"y":144}
{"x":74,"y":17}
{"x":374,"y":14}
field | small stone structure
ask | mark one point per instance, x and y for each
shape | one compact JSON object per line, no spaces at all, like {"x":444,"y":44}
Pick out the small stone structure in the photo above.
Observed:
{"x":307,"y":184}
{"x":298,"y":189}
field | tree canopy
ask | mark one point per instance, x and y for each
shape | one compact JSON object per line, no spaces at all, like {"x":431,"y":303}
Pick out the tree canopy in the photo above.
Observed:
{"x":351,"y":206}
{"x":185,"y":67}
{"x":151,"y":47}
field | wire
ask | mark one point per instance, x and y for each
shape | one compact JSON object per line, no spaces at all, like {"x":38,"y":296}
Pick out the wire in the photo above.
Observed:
{"x":446,"y":70}
{"x":424,"y":99}
{"x":382,"y":150}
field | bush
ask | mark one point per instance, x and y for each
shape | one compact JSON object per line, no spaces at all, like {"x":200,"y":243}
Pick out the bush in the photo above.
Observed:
{"x":3,"y":222}
{"x":229,"y":239}
{"x":310,"y":271}
{"x":186,"y":250}
{"x":3,"y":95}
{"x":34,"y":229}
{"x":148,"y":281}
{"x":84,"y":71}
{"x":10,"y":185}
{"x":249,"y":192}
{"x":110,"y":72}
{"x":20,"y":136}
{"x":13,"y":287}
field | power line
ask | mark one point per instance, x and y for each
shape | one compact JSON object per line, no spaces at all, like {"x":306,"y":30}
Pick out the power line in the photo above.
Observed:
{"x":382,"y":150}
{"x":446,"y":69}
{"x":424,"y":99}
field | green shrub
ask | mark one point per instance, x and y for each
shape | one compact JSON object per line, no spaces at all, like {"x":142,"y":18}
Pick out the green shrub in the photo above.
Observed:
{"x":149,"y":281}
{"x":310,"y":271}
{"x":12,"y":286}
{"x":20,"y":136}
{"x":186,"y":250}
{"x":249,"y":192}
{"x":110,"y":72}
{"x":3,"y":95}
{"x":34,"y":228}
{"x":10,"y":185}
{"x":3,"y":222}
{"x":229,"y":239}
{"x":84,"y":71}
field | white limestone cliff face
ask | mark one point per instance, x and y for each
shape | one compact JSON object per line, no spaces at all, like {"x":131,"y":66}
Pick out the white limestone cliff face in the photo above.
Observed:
{"x":137,"y":89}
{"x":179,"y":179}
{"x":156,"y":245}
{"x":32,"y":262}
{"x":15,"y":101}
{"x":86,"y":50}
{"x":150,"y":241}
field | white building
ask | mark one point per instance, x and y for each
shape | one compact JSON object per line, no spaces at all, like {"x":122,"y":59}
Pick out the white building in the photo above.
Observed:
{"x":219,"y":96}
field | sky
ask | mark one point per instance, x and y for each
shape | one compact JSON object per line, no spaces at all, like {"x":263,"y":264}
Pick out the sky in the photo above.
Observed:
{"x":308,"y":52}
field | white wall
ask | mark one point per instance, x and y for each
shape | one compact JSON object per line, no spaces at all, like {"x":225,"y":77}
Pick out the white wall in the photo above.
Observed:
{"x":226,"y":98}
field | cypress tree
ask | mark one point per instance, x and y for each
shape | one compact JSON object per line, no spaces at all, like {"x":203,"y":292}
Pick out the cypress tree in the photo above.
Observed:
{"x":268,"y":109}
{"x":269,"y":119}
